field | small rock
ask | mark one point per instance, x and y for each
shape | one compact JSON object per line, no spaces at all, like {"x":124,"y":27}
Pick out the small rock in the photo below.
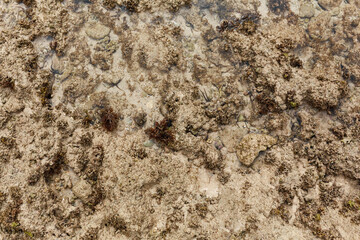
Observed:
{"x":320,"y":27}
{"x":128,"y":121}
{"x":241,"y":118}
{"x":311,"y":195}
{"x":82,"y":189}
{"x":96,"y":30}
{"x":218,"y":144}
{"x":140,"y":119}
{"x":148,"y":143}
{"x":306,"y":11}
{"x":329,"y":4}
{"x":251,"y":145}
{"x":13,"y":105}
{"x":324,"y":95}
{"x":335,"y":11}
{"x":57,"y":66}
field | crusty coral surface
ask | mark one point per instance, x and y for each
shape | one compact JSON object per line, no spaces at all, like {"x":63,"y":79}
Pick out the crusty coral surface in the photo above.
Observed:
{"x":179,"y":119}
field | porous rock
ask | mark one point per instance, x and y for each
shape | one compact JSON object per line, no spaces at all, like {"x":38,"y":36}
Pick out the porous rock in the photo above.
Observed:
{"x":306,"y":11}
{"x":329,"y":4}
{"x":82,"y":189}
{"x":96,"y":30}
{"x":251,"y":145}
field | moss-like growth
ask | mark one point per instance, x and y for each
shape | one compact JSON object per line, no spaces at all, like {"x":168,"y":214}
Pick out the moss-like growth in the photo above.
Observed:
{"x":29,"y":234}
{"x":91,"y":234}
{"x":290,"y":99}
{"x":138,"y":152}
{"x":287,"y":75}
{"x":7,"y":142}
{"x":282,"y":212}
{"x":127,"y":47}
{"x":96,"y":197}
{"x":246,"y":25}
{"x":353,"y":205}
{"x":267,"y":104}
{"x":143,"y":59}
{"x":201,"y":209}
{"x":213,"y":161}
{"x":54,"y":166}
{"x":131,"y":5}
{"x":62,"y":125}
{"x":31,"y":65}
{"x":45,"y":93}
{"x":279,"y":7}
{"x":28,"y":3}
{"x":116,"y":222}
{"x":86,"y":140}
{"x":87,"y":120}
{"x":109,"y":4}
{"x":295,"y":62}
{"x":92,"y":167}
{"x":9,"y":217}
{"x":2,"y":198}
{"x":293,"y":104}
{"x":48,"y":117}
{"x":34,"y":177}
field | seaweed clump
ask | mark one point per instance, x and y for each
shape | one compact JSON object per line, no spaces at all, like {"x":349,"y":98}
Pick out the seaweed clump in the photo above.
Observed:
{"x":109,"y":4}
{"x":52,"y":168}
{"x":131,"y":5}
{"x":162,"y":132}
{"x":45,"y":94}
{"x":7,"y":142}
{"x":267,"y":104}
{"x":117,"y":222}
{"x":9,"y":216}
{"x":279,"y":7}
{"x":109,"y":119}
{"x":246,"y":24}
{"x":27,"y":3}
{"x":7,"y":82}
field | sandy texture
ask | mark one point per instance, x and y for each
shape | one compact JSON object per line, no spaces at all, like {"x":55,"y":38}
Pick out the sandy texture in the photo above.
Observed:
{"x":143,"y":119}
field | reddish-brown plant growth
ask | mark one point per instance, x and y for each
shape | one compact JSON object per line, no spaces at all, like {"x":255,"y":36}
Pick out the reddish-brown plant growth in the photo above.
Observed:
{"x":162,"y":132}
{"x":247,"y":24}
{"x":109,"y":119}
{"x":7,"y":82}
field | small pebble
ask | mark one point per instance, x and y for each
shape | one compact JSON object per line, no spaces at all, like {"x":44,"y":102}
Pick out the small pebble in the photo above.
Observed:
{"x":306,"y":11}
{"x":148,"y":143}
{"x":97,"y":31}
{"x":251,"y":145}
{"x":82,"y":189}
{"x":218,"y":144}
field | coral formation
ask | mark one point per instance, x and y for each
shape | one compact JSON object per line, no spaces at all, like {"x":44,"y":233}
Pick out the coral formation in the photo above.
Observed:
{"x":165,"y":119}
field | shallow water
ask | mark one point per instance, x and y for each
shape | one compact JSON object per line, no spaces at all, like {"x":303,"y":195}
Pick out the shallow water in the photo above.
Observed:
{"x":235,"y":119}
